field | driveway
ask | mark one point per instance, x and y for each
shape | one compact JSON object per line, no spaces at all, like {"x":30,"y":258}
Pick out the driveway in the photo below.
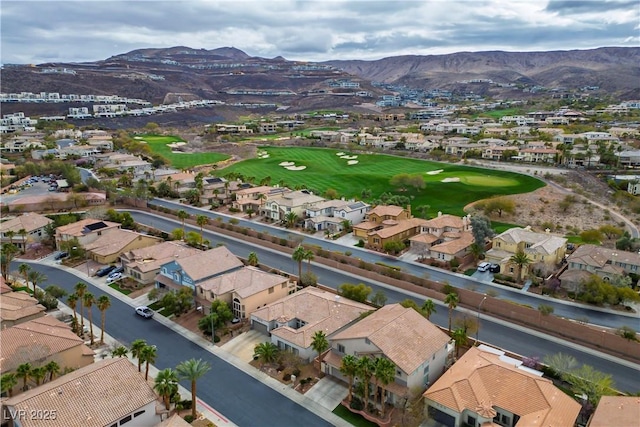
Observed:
{"x":242,"y":346}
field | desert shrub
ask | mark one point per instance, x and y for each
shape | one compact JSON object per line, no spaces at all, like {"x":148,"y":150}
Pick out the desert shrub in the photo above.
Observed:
{"x":188,"y":418}
{"x":286,"y":377}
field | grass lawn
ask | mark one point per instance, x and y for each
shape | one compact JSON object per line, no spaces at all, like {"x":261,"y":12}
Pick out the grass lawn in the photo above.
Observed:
{"x":351,"y":418}
{"x":117,"y":288}
{"x":496,"y":114}
{"x":158,"y":145}
{"x":155,"y":306}
{"x":325,"y":170}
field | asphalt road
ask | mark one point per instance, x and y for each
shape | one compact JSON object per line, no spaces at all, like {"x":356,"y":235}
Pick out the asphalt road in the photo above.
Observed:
{"x":561,"y":308}
{"x":240,"y":397}
{"x":501,"y":334}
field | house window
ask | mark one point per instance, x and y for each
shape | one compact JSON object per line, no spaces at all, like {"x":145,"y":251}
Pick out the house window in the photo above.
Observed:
{"x":283,"y":286}
{"x":125,"y":420}
{"x":340,"y":348}
{"x":398,"y":372}
{"x":366,"y":341}
{"x":137,"y":414}
{"x":271,"y":290}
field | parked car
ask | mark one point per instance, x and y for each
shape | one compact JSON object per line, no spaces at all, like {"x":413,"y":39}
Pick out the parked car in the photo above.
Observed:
{"x":114,"y":277}
{"x":484,"y":266}
{"x":61,"y":255}
{"x":116,"y":271}
{"x":494,"y":268}
{"x":105,"y":270}
{"x":144,"y":311}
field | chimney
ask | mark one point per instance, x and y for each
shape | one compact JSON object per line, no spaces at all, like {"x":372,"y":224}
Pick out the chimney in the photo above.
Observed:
{"x":409,"y":211}
{"x":439,"y":213}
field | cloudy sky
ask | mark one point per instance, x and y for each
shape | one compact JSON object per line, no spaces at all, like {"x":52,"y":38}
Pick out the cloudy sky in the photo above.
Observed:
{"x":82,"y":30}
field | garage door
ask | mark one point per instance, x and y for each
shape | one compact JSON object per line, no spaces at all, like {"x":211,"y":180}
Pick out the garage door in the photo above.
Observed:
{"x":441,"y":417}
{"x":260,"y":327}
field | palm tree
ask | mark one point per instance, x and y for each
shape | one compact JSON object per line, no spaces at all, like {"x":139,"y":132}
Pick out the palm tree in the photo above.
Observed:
{"x":182,"y":214}
{"x":460,"y":338}
{"x":365,"y":369}
{"x":53,"y":369}
{"x":521,"y":260}
{"x":9,"y":251}
{"x":452,"y":301}
{"x":291,"y":219}
{"x":349,"y":368}
{"x":103,"y":304}
{"x":80,"y":289}
{"x":202,"y":220}
{"x":298,"y":256}
{"x":428,"y":308}
{"x":136,"y":350}
{"x":36,"y":277}
{"x":38,"y":374}
{"x":10,"y":234}
{"x":166,"y":385}
{"x":148,"y":354}
{"x":24,"y":372}
{"x":8,"y":382}
{"x":192,"y":370}
{"x":87,"y":301}
{"x":24,"y":270}
{"x":266,"y":352}
{"x":119,"y":351}
{"x":385,"y":373}
{"x":319,"y":343}
{"x":72,"y":301}
{"x":308,"y":256}
{"x":252,"y":259}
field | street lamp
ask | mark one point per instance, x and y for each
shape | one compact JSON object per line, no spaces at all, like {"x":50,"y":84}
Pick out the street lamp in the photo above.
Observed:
{"x":213,"y":332}
{"x":478,"y":322}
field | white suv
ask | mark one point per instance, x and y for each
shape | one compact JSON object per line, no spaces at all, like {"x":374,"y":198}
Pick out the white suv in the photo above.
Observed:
{"x":484,"y":266}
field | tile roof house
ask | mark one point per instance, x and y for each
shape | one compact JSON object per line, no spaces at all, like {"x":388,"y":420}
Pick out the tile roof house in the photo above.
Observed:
{"x":40,"y":341}
{"x":331,"y":214}
{"x":108,"y":393}
{"x":255,"y":197}
{"x":393,"y":230}
{"x":485,"y":387}
{"x":18,"y":307}
{"x":376,"y":217}
{"x":31,"y":223}
{"x":144,"y":264}
{"x":607,"y":263}
{"x":292,"y":321}
{"x":191,"y":270}
{"x":108,"y":247}
{"x":444,"y":237}
{"x":620,"y":411}
{"x":417,"y":347}
{"x":245,"y":290}
{"x":277,"y":207}
{"x":86,"y":231}
{"x":545,"y":250}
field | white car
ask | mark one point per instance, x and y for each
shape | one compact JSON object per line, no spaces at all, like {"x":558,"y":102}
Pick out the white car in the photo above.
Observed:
{"x":114,"y":277}
{"x":484,"y":266}
{"x":144,"y":311}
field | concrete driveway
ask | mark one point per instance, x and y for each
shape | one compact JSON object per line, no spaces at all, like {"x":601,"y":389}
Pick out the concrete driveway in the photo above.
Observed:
{"x":328,"y":392}
{"x":242,"y":346}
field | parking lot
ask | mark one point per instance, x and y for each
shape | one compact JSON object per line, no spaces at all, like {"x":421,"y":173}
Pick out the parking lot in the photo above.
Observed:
{"x":34,"y":189}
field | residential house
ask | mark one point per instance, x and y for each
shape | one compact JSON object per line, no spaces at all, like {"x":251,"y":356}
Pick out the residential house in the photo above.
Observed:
{"x":278,"y":207}
{"x":375,"y":217}
{"x":461,"y":149}
{"x":22,"y":143}
{"x":61,"y":202}
{"x":486,"y":387}
{"x":268,"y":127}
{"x":86,"y":231}
{"x":108,"y":247}
{"x":417,"y":347}
{"x":545,"y":250}
{"x":609,"y":264}
{"x":331,"y":214}
{"x":254,"y":198}
{"x":24,"y":229}
{"x":453,"y":248}
{"x":40,"y":341}
{"x":628,"y":158}
{"x":444,"y":237}
{"x":108,"y":393}
{"x":189,"y":271}
{"x":143,"y":265}
{"x":18,"y":307}
{"x":497,"y":152}
{"x":633,"y":188}
{"x":394,"y":231}
{"x":245,"y":290}
{"x":292,"y":321}
{"x":616,"y":411}
{"x":539,"y":155}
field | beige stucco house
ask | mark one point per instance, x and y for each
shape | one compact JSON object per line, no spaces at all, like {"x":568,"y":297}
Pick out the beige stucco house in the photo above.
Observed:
{"x":277,"y":207}
{"x":86,"y":231}
{"x":108,"y":247}
{"x":26,"y":228}
{"x":144,"y":264}
{"x":18,"y":307}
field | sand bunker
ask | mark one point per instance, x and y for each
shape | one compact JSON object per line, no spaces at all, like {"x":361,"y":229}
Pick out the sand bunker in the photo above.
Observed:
{"x":176,"y":144}
{"x":435,"y":172}
{"x":352,"y":162}
{"x":264,"y":156}
{"x":340,"y":154}
{"x":179,"y":152}
{"x":451,"y":180}
{"x":285,"y":164}
{"x":295,"y":168}
{"x":137,"y":137}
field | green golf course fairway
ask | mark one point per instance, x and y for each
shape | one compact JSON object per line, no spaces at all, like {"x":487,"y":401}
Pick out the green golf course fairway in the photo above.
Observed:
{"x":158,"y":145}
{"x":324,"y":170}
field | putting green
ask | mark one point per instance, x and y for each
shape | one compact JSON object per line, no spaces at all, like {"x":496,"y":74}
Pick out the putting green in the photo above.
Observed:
{"x":489,"y":180}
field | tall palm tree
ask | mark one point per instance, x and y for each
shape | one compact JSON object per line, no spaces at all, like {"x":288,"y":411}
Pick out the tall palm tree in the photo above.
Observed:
{"x":202,"y":220}
{"x":53,"y":369}
{"x":80,"y":290}
{"x":252,"y":259}
{"x":182,"y":214}
{"x":148,"y":354}
{"x":24,"y":372}
{"x":385,"y":373}
{"x":428,"y":308}
{"x":103,"y":304}
{"x":192,"y":370}
{"x":308,"y":256}
{"x":72,"y":301}
{"x":166,"y":385}
{"x":319,"y":343}
{"x":298,"y":256}
{"x":8,"y":252}
{"x":10,"y":234}
{"x":7,"y":382}
{"x":452,"y":301}
{"x":36,"y":277}
{"x":460,"y":338}
{"x":136,"y":351}
{"x":349,"y":368}
{"x":119,"y":351}
{"x":291,"y":219}
{"x":365,"y":369}
{"x":521,"y":260}
{"x":87,"y":301}
{"x":24,"y":270}
{"x":38,"y":374}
